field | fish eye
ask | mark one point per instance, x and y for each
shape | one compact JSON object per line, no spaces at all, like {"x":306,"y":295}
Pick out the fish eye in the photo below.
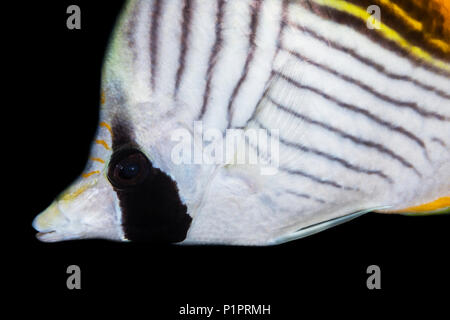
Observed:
{"x":128,"y":168}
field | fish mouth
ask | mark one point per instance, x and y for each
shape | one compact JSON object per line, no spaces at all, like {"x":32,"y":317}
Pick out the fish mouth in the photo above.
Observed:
{"x":52,"y":225}
{"x":42,"y":235}
{"x":48,"y":222}
{"x":48,"y":235}
{"x":54,"y":236}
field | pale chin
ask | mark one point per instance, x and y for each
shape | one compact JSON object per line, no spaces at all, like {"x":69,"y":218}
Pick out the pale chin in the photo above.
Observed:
{"x":54,"y":236}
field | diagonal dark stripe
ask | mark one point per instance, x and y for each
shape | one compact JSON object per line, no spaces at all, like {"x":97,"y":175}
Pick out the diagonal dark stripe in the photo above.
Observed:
{"x":328,"y":156}
{"x":369,"y":144}
{"x":305,"y":196}
{"x":317,"y":179}
{"x":430,"y":19}
{"x":406,"y":104}
{"x":354,"y":108}
{"x":361,"y":27}
{"x":371,"y":63}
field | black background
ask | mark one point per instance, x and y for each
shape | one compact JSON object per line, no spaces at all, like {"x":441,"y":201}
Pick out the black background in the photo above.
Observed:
{"x":57,"y":85}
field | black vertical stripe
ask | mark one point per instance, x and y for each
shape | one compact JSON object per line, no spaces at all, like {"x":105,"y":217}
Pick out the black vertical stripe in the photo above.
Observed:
{"x":214,"y":54}
{"x":283,"y":22}
{"x":131,"y":30}
{"x":263,"y":95}
{"x":186,"y":28}
{"x":154,"y":34}
{"x":151,"y":209}
{"x":255,"y":8}
{"x":282,"y":25}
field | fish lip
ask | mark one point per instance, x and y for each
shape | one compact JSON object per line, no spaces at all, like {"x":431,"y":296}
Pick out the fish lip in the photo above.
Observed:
{"x":40,"y":234}
{"x":45,"y":236}
{"x":51,"y":233}
{"x":43,"y":233}
{"x":53,"y":236}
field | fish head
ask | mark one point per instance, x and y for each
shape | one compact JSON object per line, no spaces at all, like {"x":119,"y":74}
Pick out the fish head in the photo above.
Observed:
{"x":130,"y":189}
{"x":88,"y":208}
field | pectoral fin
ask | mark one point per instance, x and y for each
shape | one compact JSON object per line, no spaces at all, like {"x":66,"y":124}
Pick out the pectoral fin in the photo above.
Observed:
{"x":307,"y":231}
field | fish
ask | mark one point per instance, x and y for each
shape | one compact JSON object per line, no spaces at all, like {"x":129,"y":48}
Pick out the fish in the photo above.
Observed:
{"x":257,"y":122}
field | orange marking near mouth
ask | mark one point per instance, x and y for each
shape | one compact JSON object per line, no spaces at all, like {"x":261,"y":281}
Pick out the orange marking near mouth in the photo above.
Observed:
{"x":87,"y":175}
{"x":98,"y":160}
{"x":103,"y":143}
{"x":107,"y":126}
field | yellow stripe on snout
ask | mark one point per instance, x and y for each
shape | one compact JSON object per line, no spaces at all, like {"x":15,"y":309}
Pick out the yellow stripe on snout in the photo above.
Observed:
{"x":98,"y":160}
{"x":103,"y":143}
{"x":107,"y":126}
{"x":87,"y":175}
{"x":76,"y":193}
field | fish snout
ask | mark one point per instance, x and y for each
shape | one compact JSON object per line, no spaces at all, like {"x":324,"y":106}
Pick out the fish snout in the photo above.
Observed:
{"x":49,"y":224}
{"x":86,"y":210}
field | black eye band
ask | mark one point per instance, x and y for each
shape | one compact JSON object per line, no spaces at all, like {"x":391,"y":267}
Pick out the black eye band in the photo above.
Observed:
{"x":148,"y":197}
{"x":128,"y":168}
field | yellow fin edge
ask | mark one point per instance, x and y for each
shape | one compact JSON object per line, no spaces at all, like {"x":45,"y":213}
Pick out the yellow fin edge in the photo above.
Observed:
{"x":439,"y":206}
